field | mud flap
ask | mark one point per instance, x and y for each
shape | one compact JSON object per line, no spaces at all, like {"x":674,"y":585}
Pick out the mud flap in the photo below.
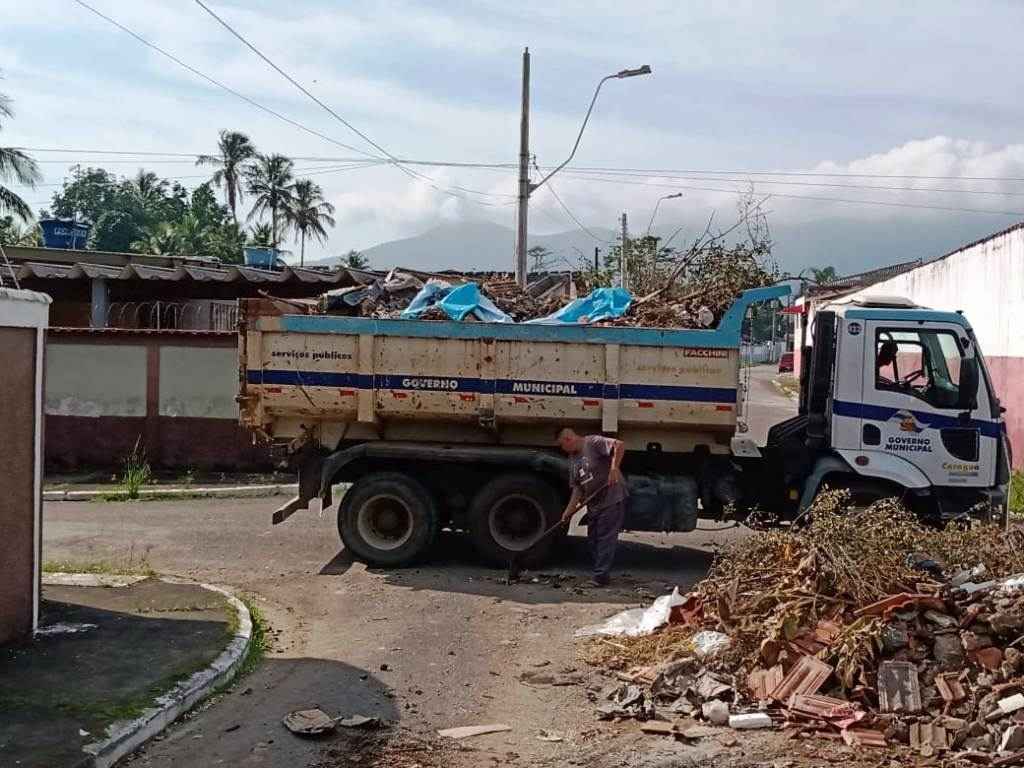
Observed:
{"x":309,"y":461}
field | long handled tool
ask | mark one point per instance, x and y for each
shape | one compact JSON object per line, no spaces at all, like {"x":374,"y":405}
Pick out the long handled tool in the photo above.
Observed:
{"x":515,"y":562}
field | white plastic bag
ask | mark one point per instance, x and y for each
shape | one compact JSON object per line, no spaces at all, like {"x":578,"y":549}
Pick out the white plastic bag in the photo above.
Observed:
{"x":708,"y":644}
{"x":636,"y":622}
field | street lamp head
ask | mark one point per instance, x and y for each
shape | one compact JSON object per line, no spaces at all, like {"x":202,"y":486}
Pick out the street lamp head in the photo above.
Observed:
{"x":673,"y":197}
{"x":644,"y":70}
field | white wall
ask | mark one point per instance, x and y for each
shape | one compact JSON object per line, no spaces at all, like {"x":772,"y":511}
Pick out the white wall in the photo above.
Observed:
{"x":95,"y":380}
{"x":199,"y":381}
{"x":986,"y":281}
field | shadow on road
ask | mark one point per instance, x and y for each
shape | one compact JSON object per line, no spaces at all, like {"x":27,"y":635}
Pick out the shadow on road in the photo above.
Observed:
{"x":641,"y":570}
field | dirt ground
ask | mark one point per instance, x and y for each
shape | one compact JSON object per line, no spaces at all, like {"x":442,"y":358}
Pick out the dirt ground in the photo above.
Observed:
{"x":436,"y":646}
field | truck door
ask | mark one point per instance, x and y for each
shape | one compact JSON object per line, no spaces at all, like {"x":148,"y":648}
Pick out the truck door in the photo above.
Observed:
{"x":913,"y":409}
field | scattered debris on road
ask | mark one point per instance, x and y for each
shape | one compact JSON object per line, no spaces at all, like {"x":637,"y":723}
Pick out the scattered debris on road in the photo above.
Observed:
{"x":864,"y":626}
{"x":468,"y":731}
{"x":309,"y":722}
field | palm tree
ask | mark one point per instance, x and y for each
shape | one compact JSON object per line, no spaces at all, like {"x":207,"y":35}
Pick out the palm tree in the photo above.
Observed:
{"x":269,"y":180}
{"x":308,"y":213}
{"x":147,"y":193}
{"x":191,"y":235}
{"x":262,"y":235}
{"x":235,"y":151}
{"x":160,"y":240}
{"x":16,"y":165}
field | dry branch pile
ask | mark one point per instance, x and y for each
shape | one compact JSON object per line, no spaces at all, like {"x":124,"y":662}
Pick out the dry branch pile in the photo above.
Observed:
{"x":911,"y":632}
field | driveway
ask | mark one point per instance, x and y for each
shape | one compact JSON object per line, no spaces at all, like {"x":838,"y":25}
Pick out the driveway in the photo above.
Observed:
{"x":432,"y":647}
{"x":766,"y":405}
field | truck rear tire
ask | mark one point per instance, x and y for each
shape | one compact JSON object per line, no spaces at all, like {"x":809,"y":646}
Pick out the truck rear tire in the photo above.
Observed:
{"x":388,"y":519}
{"x":510,"y":513}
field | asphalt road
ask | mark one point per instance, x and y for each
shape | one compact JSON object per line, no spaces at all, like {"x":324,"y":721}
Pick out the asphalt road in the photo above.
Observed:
{"x":437,"y":646}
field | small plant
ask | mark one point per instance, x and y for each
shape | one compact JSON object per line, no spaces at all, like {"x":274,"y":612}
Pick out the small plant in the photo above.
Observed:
{"x":1017,"y":494}
{"x":135,"y":471}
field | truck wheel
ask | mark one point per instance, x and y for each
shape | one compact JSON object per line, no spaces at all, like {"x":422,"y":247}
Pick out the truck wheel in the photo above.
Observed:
{"x":509,"y":514}
{"x":387,"y":519}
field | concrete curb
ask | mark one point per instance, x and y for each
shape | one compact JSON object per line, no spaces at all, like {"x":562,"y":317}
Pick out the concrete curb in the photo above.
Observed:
{"x":784,"y":392}
{"x":212,"y":492}
{"x":126,"y":736}
{"x":63,"y":579}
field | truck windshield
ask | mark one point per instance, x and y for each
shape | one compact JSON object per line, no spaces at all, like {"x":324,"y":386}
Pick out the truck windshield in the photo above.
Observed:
{"x":924,"y":364}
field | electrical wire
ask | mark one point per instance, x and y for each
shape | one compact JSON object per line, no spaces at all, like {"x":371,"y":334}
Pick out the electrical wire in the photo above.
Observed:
{"x":395,"y":160}
{"x":569,"y":213}
{"x":217,"y":83}
{"x":663,"y":171}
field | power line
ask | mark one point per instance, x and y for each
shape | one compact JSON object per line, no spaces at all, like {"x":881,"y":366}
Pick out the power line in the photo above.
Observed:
{"x":663,"y":171}
{"x":397,"y":163}
{"x":217,"y":83}
{"x":886,"y":203}
{"x":570,"y":213}
{"x":935,"y":190}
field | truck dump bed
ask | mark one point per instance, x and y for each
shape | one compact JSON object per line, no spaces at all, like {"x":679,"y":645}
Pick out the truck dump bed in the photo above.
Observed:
{"x":358,"y":379}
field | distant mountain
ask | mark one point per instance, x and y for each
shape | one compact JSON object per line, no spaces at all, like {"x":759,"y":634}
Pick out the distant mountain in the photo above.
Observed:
{"x":850,"y":245}
{"x":475,"y":245}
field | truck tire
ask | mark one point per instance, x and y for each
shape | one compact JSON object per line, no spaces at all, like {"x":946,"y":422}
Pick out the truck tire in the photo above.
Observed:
{"x":510,"y":513}
{"x":387,"y":519}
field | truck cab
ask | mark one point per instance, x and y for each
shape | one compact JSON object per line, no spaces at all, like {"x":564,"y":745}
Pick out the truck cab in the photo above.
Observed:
{"x":896,"y":401}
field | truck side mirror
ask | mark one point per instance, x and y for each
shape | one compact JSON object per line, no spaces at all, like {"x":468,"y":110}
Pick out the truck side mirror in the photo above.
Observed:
{"x":967,"y":399}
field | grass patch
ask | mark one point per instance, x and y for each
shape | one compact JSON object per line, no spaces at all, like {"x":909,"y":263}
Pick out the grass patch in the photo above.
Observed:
{"x":1017,"y":494}
{"x":131,"y":564}
{"x":258,"y":640}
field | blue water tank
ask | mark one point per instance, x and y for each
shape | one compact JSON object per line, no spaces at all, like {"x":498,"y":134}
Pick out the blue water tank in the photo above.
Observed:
{"x":260,"y":256}
{"x":64,"y":233}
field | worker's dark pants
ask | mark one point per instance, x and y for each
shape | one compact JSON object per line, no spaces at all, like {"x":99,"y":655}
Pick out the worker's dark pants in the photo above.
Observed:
{"x":603,"y":526}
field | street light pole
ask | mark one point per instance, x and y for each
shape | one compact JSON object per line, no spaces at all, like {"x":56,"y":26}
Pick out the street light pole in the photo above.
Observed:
{"x":524,"y":174}
{"x":526,"y":188}
{"x":655,"y":211}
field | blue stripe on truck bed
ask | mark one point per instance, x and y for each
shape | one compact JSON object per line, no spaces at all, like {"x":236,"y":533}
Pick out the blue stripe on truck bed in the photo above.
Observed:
{"x":586,"y":389}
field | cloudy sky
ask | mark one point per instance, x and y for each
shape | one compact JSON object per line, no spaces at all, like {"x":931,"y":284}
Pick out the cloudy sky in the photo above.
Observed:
{"x":889,"y":92}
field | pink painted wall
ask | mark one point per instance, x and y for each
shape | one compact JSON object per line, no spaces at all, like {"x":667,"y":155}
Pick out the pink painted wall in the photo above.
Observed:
{"x":1007,"y":375}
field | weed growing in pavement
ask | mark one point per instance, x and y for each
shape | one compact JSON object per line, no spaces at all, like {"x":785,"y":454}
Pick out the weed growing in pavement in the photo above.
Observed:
{"x":135,"y":471}
{"x":1017,"y":494}
{"x":133,"y":563}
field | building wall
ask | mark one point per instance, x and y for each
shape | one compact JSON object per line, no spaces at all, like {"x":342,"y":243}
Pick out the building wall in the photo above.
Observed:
{"x":23,"y":315}
{"x":986,"y":281}
{"x":172,"y":392}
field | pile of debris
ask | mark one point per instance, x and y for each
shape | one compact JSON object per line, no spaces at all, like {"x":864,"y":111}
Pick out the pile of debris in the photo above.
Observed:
{"x":864,"y":626}
{"x":697,"y":301}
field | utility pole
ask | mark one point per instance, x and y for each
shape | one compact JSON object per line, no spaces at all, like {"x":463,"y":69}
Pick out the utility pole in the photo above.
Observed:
{"x":623,"y":280}
{"x":524,"y":174}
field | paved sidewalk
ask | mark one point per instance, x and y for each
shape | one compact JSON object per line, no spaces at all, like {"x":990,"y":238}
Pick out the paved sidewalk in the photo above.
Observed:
{"x":132,"y":644}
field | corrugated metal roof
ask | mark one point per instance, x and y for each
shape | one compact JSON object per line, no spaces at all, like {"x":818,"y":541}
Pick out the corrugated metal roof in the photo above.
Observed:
{"x":863,"y":279}
{"x":227,"y":274}
{"x":166,"y":332}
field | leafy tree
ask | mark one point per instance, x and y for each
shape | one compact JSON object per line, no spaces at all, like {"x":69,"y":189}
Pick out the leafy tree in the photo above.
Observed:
{"x":308,"y":213}
{"x":159,"y":239}
{"x":269,"y":180}
{"x":206,"y":209}
{"x":262,"y":234}
{"x":90,"y":193}
{"x":226,"y":242}
{"x":355,"y":260}
{"x":235,"y":150}
{"x":823,"y":274}
{"x":17,"y":166}
{"x":115,"y":231}
{"x":12,"y":233}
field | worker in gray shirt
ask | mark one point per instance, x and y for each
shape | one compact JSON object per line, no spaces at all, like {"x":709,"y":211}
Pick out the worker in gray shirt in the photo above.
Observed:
{"x":595,"y":477}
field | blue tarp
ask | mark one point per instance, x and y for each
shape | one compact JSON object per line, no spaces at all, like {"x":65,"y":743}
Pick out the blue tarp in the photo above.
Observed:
{"x":601,"y":304}
{"x":456,"y":302}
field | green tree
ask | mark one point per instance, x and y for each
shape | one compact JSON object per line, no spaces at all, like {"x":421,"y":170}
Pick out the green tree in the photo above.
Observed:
{"x":308,"y":213}
{"x":89,"y":194}
{"x":226,"y":243}
{"x":16,"y":166}
{"x":262,"y":234}
{"x":234,"y":151}
{"x":191,"y":236}
{"x":159,"y":239}
{"x":13,"y":233}
{"x":355,"y":260}
{"x":204,"y":206}
{"x":270,"y":181}
{"x":115,"y":231}
{"x":823,"y":274}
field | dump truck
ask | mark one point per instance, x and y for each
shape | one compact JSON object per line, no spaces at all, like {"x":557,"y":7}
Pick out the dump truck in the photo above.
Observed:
{"x":452,"y":425}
